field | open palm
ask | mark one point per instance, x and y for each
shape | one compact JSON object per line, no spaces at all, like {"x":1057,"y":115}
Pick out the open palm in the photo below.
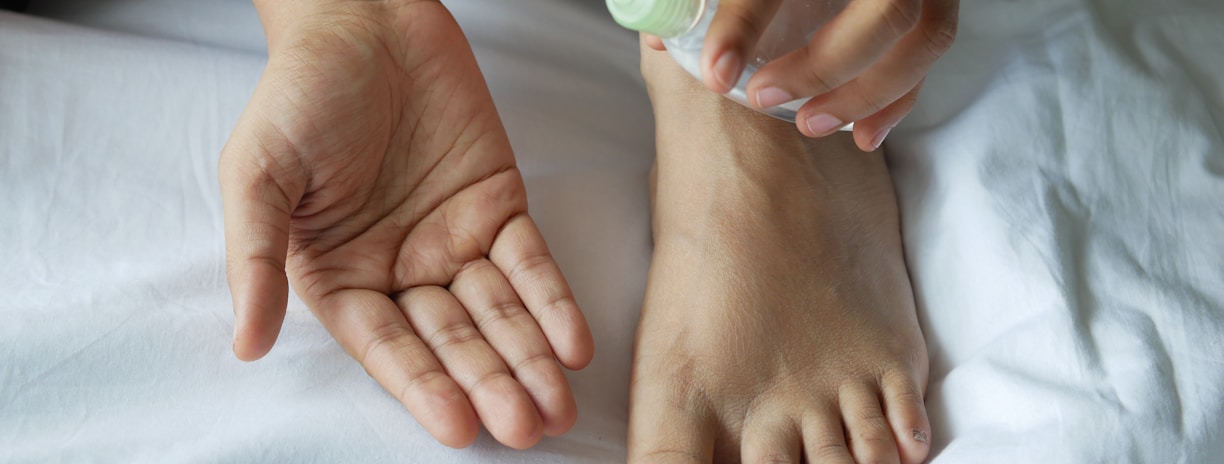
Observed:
{"x":372,"y":166}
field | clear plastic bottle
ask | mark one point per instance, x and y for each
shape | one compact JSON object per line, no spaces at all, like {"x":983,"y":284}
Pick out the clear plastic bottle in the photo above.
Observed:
{"x":682,"y":25}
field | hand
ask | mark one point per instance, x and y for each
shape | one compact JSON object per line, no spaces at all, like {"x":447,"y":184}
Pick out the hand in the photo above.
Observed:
{"x":866,"y":66}
{"x":779,"y":323}
{"x":372,"y":166}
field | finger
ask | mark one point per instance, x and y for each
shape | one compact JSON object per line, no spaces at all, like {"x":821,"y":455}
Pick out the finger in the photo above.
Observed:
{"x":731,"y":39}
{"x":845,"y":47}
{"x":521,"y":254}
{"x":258,"y":201}
{"x":776,"y":442}
{"x":867,"y":430}
{"x":375,"y":332}
{"x":500,"y":402}
{"x":507,"y":326}
{"x":654,"y":42}
{"x":824,"y":440}
{"x":665,"y":430}
{"x":870,"y":132}
{"x":906,"y":411}
{"x":897,"y":74}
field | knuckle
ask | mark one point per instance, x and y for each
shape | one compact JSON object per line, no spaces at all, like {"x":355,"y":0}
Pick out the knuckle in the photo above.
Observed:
{"x":416,"y":383}
{"x":898,"y":379}
{"x":870,"y":102}
{"x":387,"y":338}
{"x":905,"y":397}
{"x":473,"y":267}
{"x":872,"y":442}
{"x":667,"y":454}
{"x":900,"y":391}
{"x":940,"y":37}
{"x":827,"y":448}
{"x":452,"y":335}
{"x":500,"y":312}
{"x":900,"y":16}
{"x":554,"y":309}
{"x":745,"y":20}
{"x":487,"y":379}
{"x":530,"y":266}
{"x":314,"y":281}
{"x":822,"y":82}
{"x":555,"y":298}
{"x":777,"y":458}
{"x":543,"y":356}
{"x":872,"y":417}
{"x":910,"y":98}
{"x":875,"y":435}
{"x":817,"y":78}
{"x":874,"y":453}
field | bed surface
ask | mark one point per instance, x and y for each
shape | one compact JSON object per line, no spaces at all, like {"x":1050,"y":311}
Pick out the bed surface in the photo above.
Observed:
{"x":1061,"y":186}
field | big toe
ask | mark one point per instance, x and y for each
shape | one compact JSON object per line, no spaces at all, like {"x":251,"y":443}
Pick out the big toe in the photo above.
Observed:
{"x":666,"y":429}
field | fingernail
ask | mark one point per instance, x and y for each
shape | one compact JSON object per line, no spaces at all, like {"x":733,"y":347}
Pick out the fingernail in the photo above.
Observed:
{"x":879,"y":138}
{"x":728,"y":69}
{"x":918,"y":435}
{"x":771,"y":97}
{"x":822,"y":123}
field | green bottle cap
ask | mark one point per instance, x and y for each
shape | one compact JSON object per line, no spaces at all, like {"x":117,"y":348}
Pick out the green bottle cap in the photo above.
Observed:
{"x":664,"y":18}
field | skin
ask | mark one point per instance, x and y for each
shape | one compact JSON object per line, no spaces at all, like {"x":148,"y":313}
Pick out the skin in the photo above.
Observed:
{"x":865,"y":66}
{"x":779,"y":323}
{"x":371,"y":171}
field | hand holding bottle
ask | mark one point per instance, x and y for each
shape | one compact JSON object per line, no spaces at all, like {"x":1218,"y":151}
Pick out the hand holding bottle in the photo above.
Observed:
{"x":865,"y":66}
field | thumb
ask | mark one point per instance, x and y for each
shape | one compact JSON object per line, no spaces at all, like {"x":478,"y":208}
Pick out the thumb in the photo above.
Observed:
{"x":258,"y":195}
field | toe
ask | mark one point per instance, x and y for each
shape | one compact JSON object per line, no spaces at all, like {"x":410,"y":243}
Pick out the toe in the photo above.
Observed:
{"x":671,"y":437}
{"x":906,"y":412}
{"x":667,"y":424}
{"x":824,"y":440}
{"x":867,"y":431}
{"x":777,"y":443}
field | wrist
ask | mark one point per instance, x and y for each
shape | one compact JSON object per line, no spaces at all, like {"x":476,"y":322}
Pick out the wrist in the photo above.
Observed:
{"x":286,"y":20}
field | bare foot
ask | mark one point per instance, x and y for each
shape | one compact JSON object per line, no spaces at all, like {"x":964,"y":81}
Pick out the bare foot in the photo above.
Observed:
{"x":779,"y":322}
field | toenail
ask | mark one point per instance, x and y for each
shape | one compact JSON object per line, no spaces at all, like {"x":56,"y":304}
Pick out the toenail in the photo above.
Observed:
{"x":919,"y":436}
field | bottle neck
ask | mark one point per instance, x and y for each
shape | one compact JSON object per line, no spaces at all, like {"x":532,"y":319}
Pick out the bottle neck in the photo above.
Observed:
{"x":663,"y":18}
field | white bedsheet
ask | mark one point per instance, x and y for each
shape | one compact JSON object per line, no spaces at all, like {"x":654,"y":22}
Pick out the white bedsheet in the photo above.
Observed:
{"x":1061,"y":183}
